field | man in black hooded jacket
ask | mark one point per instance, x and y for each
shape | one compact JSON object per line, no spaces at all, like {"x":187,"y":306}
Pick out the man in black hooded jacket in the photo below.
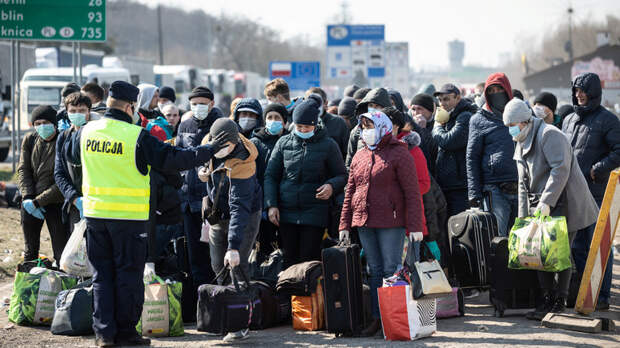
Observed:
{"x":594,"y":133}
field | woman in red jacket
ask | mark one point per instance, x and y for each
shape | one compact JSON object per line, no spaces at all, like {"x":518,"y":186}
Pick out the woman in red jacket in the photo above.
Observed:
{"x":382,"y":199}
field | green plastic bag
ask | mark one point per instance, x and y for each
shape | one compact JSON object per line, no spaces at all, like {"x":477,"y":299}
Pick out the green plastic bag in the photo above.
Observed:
{"x":539,"y":243}
{"x":34,"y":296}
{"x":161,"y":309}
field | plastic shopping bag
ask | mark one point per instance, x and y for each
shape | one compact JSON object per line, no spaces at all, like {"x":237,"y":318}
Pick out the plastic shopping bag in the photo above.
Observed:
{"x":74,"y":259}
{"x":161,"y":312}
{"x":539,"y":243}
{"x":403,"y":317}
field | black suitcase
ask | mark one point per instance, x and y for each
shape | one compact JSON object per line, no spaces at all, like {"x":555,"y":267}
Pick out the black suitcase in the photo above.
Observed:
{"x":227,"y":308}
{"x":275,"y":308}
{"x":471,"y":233}
{"x":74,"y":311}
{"x":510,"y":288}
{"x":342,"y":289}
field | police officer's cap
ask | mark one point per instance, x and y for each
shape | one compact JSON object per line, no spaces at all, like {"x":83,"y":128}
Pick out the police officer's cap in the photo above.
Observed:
{"x":121,"y":90}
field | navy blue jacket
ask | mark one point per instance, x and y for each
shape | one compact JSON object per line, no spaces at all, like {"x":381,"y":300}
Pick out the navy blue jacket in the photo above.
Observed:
{"x":240,"y":194}
{"x":264,"y":143}
{"x":190,"y":134}
{"x":69,"y":181}
{"x":451,"y":140}
{"x":150,"y":151}
{"x":594,"y":134}
{"x":490,"y":150}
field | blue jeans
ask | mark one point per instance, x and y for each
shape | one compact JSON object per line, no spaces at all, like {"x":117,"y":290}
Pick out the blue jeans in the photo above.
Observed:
{"x":384,"y":249}
{"x":580,"y":250}
{"x":504,"y":206}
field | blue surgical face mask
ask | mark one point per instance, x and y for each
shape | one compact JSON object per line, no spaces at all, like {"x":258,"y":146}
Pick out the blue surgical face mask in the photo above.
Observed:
{"x":77,"y":119}
{"x":372,"y":110}
{"x":45,"y":130}
{"x":274,"y":127}
{"x":514,"y":131}
{"x":306,"y":135}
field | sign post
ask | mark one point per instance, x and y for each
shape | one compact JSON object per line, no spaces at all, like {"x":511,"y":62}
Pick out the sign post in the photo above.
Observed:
{"x":299,"y":76}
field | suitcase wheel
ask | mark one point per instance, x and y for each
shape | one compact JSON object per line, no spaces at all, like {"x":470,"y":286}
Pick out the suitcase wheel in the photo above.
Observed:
{"x":499,"y":313}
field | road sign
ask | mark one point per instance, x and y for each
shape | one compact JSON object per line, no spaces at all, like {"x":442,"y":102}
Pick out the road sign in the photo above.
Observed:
{"x":57,"y":20}
{"x":355,"y":51}
{"x":607,"y":226}
{"x":299,"y":75}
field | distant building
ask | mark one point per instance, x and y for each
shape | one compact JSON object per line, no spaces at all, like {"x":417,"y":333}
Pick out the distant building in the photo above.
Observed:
{"x":604,"y":61}
{"x":456,"y":53}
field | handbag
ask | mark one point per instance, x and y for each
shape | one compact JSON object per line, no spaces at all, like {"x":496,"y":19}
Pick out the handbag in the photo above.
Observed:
{"x":429,"y":280}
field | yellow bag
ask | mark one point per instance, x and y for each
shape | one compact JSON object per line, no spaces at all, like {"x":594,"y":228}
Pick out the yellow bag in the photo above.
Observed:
{"x":309,"y":311}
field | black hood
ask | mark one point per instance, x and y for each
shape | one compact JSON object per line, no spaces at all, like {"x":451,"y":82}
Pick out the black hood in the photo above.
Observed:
{"x":398,"y":99}
{"x":378,"y":96}
{"x":591,"y":84}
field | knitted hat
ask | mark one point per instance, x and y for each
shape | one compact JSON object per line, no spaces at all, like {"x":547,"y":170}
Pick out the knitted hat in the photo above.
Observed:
{"x":424,"y":100}
{"x":277,"y":107}
{"x":71,"y":87}
{"x":547,"y":99}
{"x":306,"y":113}
{"x":168,"y":93}
{"x":121,"y":90}
{"x":360,"y":93}
{"x":43,"y":112}
{"x":516,"y":111}
{"x":396,"y":116}
{"x":347,"y":107}
{"x":349,"y":91}
{"x":201,"y":91}
{"x":334,"y":102}
{"x":317,"y":98}
{"x":225,"y":125}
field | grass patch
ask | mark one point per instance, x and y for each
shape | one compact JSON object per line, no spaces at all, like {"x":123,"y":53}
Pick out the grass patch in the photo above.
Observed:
{"x":7,"y":175}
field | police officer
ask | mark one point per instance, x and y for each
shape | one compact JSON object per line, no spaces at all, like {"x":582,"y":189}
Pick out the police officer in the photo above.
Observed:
{"x":116,"y":156}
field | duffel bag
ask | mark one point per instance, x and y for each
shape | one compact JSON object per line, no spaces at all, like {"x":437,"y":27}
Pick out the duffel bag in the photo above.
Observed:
{"x":74,"y":311}
{"x":300,"y":279}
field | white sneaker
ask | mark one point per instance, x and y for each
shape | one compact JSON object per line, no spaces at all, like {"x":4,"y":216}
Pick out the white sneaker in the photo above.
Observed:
{"x":237,"y":336}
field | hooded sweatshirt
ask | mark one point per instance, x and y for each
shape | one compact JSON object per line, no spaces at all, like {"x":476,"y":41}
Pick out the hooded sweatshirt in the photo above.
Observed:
{"x":152,"y":120}
{"x":248,"y":104}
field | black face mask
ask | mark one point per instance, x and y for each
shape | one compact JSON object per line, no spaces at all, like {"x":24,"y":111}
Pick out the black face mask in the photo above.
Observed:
{"x":497,"y":102}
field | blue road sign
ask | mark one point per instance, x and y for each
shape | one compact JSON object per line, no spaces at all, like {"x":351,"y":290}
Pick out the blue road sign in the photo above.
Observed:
{"x":354,"y":49}
{"x":298,"y":75}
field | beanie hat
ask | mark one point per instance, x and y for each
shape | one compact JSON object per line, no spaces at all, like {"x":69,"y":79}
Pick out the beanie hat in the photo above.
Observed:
{"x":347,"y":107}
{"x":516,"y":111}
{"x":71,"y":87}
{"x":334,"y":102}
{"x":225,"y":125}
{"x":360,"y":93}
{"x":306,"y":113}
{"x":317,"y":98}
{"x":201,"y":91}
{"x":168,"y":93}
{"x":547,"y":99}
{"x":277,"y":107}
{"x":43,"y":112}
{"x":517,"y":94}
{"x":565,"y":110}
{"x":396,"y":116}
{"x":349,"y":91}
{"x":424,"y":100}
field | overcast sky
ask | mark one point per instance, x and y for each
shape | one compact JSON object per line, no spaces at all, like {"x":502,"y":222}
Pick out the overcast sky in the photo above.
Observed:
{"x":489,"y":28}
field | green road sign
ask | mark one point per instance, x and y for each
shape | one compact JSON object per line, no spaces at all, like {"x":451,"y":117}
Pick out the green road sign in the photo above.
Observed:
{"x":56,"y":20}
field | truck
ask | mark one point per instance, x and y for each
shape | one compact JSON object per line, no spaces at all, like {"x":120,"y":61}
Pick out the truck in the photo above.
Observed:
{"x":55,"y":57}
{"x":183,"y":78}
{"x":140,"y":69}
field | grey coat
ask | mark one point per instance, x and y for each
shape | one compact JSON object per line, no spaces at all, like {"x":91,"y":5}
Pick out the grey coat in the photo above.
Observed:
{"x":548,"y":157}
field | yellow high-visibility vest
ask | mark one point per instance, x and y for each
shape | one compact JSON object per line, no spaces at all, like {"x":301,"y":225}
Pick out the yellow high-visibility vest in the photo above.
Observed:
{"x":112,"y":185}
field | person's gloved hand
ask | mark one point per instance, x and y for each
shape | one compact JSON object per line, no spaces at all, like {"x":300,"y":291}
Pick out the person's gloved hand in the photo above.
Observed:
{"x":219,"y":142}
{"x":63,"y":125}
{"x":344,"y":235}
{"x":232,"y":258}
{"x":79,"y":206}
{"x":434,"y":248}
{"x":29,"y":207}
{"x":544,"y":209}
{"x":149,"y":271}
{"x":416,"y":236}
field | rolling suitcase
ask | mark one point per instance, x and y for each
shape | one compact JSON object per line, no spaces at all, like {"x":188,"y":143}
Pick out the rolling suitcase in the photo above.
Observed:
{"x":342,"y":286}
{"x":471,"y":233}
{"x":510,"y":288}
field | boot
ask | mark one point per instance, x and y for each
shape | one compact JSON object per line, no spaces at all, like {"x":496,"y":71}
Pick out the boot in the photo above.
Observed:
{"x":543,"y":308}
{"x":559,"y":305}
{"x":371,"y":330}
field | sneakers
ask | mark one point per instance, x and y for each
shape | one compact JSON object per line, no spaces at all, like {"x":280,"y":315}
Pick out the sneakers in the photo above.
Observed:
{"x":237,"y":335}
{"x":471,"y":293}
{"x":541,"y":310}
{"x":559,"y":305}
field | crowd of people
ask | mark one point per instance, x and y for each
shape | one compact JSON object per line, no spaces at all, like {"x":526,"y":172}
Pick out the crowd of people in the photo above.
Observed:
{"x":290,"y":173}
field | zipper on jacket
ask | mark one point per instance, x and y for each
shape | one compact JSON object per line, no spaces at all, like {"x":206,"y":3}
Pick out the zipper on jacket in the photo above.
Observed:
{"x":301,"y":171}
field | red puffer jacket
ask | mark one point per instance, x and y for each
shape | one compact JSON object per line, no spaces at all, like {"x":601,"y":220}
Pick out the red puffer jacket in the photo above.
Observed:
{"x":382,"y":191}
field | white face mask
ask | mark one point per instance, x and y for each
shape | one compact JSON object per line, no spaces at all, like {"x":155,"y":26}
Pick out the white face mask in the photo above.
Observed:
{"x":135,"y":117}
{"x":247,"y":123}
{"x":369,"y":136}
{"x":539,"y":111}
{"x":201,"y":111}
{"x":225,"y":151}
{"x":160,"y":106}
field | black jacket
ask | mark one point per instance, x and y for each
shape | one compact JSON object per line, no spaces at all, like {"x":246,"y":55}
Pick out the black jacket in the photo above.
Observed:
{"x":428,"y":145}
{"x":336,"y":129}
{"x":190,"y":134}
{"x":594,"y":133}
{"x":451,"y":139}
{"x":67,"y":175}
{"x":264,"y":142}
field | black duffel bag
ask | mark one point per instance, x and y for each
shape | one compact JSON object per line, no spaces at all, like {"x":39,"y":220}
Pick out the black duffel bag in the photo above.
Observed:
{"x":275,"y":308}
{"x":300,"y":279}
{"x":227,"y":308}
{"x":268,"y":270}
{"x":74,"y":311}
